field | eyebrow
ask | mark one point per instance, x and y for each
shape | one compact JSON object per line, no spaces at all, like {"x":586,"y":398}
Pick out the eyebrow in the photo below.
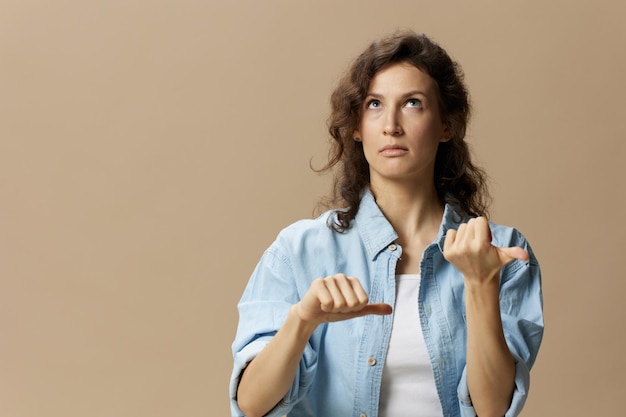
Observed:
{"x":406,"y":95}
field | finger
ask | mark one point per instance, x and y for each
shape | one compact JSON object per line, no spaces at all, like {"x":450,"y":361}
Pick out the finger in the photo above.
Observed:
{"x":359,"y":292}
{"x":460,"y":232}
{"x":320,"y":291}
{"x":509,"y":254}
{"x":345,"y":287}
{"x":470,"y":230}
{"x":338,"y":300}
{"x":481,"y":230}
{"x":379,"y":309}
{"x":449,"y":240}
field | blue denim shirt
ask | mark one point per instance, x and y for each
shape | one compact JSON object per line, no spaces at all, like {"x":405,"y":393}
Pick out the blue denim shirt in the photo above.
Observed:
{"x":340,"y":371}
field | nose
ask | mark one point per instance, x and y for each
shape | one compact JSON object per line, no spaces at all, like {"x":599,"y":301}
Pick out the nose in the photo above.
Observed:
{"x":392,"y":125}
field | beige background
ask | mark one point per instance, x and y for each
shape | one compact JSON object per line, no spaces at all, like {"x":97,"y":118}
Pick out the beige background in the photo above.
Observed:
{"x":150,"y":150}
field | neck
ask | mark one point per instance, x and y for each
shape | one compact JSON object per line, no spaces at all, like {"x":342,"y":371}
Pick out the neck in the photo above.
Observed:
{"x":414,"y":211}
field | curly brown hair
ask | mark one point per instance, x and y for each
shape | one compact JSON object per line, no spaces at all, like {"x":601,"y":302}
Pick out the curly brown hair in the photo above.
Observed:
{"x":457,"y":179}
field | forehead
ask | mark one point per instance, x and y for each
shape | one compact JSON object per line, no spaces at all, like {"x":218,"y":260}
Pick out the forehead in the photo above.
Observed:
{"x":401,"y":77}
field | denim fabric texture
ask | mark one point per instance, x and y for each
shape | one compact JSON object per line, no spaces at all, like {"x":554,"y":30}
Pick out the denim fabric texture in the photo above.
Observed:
{"x":340,"y":371}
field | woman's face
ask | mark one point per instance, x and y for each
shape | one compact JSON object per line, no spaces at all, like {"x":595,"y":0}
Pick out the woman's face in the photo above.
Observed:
{"x":401,"y":125}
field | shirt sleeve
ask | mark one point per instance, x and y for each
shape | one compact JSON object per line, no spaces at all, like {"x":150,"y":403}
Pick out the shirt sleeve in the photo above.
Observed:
{"x":521,"y":309}
{"x":263,"y":309}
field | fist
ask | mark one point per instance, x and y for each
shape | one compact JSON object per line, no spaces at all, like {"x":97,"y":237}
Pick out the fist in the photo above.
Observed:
{"x":337,"y":298}
{"x":470,"y":250}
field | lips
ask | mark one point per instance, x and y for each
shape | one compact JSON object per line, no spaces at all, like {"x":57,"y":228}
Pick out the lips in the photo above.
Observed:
{"x":393,"y":150}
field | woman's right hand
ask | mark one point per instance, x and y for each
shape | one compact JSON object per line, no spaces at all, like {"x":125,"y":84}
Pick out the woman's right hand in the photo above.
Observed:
{"x":337,"y":298}
{"x":268,"y":377}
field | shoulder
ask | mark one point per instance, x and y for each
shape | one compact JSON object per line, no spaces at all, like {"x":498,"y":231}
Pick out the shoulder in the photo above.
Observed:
{"x":307,"y":233}
{"x":506,"y":236}
{"x":309,"y":226}
{"x":309,"y":247}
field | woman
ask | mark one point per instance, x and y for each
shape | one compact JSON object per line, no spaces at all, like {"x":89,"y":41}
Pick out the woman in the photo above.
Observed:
{"x":318,"y":335}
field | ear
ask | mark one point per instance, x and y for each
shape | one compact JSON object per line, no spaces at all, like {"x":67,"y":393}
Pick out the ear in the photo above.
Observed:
{"x":357,"y":136}
{"x":446,"y":134}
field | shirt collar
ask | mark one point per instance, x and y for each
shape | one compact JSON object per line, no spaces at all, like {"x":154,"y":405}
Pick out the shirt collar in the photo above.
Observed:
{"x":453,"y":216}
{"x":377,"y":233}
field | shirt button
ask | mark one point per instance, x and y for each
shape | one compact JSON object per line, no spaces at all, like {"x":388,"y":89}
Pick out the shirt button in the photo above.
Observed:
{"x":371,"y":361}
{"x":392,"y":247}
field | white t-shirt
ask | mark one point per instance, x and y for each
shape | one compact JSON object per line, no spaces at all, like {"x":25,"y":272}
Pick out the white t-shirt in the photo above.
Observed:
{"x":408,"y":385}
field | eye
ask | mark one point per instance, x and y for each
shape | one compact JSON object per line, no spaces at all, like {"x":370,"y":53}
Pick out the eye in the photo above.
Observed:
{"x":373,"y":104}
{"x":414,"y":102}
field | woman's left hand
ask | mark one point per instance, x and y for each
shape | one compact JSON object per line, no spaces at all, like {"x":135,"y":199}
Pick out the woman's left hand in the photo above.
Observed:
{"x":470,"y":250}
{"x":490,"y":365}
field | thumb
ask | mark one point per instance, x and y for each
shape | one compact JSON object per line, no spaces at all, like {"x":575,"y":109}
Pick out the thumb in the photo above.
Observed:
{"x":509,"y":254}
{"x":380,"y":309}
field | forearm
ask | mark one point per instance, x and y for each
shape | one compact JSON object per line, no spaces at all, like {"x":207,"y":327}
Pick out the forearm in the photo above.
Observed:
{"x":268,"y":377}
{"x":490,"y":365}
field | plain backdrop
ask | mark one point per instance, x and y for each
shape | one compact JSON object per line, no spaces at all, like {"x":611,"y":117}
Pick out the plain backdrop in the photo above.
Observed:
{"x":150,"y":150}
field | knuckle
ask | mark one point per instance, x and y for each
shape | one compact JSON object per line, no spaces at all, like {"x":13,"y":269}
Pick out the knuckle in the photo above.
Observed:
{"x":354,"y":282}
{"x":354,"y":302}
{"x":318,"y":283}
{"x":327,"y":306}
